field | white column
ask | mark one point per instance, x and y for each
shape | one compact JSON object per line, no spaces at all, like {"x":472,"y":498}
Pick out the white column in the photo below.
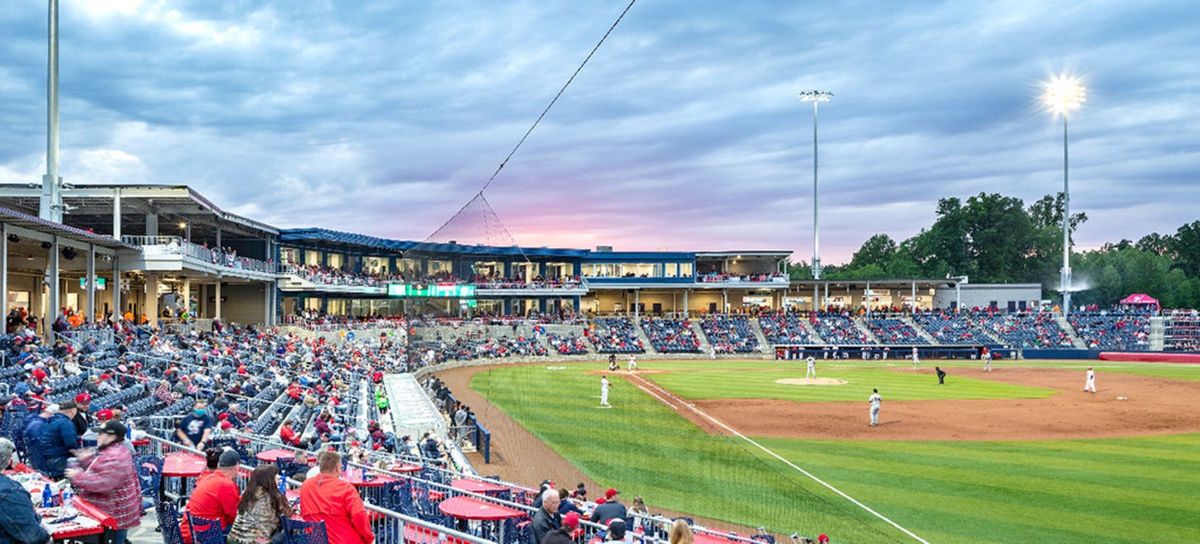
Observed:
{"x":52,"y":307}
{"x":116,"y":286}
{"x":117,"y":213}
{"x":187,"y":294}
{"x":685,"y":301}
{"x":217,"y":308}
{"x":91,"y":283}
{"x":636,"y":299}
{"x":913,"y":308}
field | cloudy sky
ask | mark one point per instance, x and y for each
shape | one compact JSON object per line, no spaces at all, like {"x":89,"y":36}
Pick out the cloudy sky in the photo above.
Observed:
{"x":684,"y":131}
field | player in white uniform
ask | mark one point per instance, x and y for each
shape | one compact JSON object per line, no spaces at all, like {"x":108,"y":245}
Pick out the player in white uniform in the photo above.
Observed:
{"x":632,"y":362}
{"x":604,"y":392}
{"x":916,"y":358}
{"x":812,"y":368}
{"x":875,"y":401}
{"x":987,"y":360}
{"x":712,"y":352}
{"x":1090,"y":384}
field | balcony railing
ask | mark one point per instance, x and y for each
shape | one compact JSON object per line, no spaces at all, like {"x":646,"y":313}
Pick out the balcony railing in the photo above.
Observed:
{"x":178,"y":246}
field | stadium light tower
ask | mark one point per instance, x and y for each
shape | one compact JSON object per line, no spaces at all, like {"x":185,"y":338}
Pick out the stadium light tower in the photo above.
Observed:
{"x":50,"y":206}
{"x":1060,"y":96}
{"x":816,"y":97}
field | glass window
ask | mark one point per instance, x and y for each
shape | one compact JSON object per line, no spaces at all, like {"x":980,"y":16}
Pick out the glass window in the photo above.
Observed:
{"x":685,"y":270}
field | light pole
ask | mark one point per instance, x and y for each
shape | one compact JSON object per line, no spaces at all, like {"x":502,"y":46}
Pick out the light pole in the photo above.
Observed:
{"x":1060,"y":96}
{"x":816,"y":97}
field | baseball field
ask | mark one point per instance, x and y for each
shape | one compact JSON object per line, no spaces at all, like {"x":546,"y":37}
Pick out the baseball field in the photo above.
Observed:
{"x":1019,"y":454}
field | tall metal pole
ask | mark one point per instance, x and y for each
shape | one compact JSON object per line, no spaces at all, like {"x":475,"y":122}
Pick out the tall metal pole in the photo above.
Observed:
{"x":1066,"y":226}
{"x":50,"y":207}
{"x":816,"y":260}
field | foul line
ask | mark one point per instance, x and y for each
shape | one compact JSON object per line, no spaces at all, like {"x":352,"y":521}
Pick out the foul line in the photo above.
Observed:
{"x":772,"y":454}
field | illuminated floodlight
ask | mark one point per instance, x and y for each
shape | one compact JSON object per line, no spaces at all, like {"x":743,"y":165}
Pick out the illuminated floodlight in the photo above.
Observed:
{"x":815,"y":96}
{"x":1063,"y":94}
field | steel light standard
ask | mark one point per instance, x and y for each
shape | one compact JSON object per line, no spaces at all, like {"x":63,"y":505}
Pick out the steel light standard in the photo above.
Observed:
{"x":816,"y":97}
{"x":1060,"y":96}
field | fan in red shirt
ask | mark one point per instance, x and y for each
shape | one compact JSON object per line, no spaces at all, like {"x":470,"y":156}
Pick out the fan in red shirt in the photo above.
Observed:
{"x":216,"y":495}
{"x":326,"y":497}
{"x":288,"y":436}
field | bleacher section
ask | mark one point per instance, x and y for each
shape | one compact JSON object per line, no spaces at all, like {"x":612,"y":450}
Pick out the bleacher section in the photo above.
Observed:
{"x":1039,"y":330}
{"x":730,"y":334}
{"x":1115,"y":331}
{"x":615,"y":335}
{"x":894,"y":331}
{"x":785,"y":329}
{"x":671,"y":335}
{"x":948,"y":328}
{"x":840,"y":330}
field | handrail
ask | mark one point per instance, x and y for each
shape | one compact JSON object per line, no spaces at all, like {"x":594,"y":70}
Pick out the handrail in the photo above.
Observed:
{"x":184,"y":248}
{"x":397,"y":516}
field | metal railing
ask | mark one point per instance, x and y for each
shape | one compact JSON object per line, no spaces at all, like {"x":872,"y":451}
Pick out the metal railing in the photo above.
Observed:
{"x":176,"y":245}
{"x":389,"y":526}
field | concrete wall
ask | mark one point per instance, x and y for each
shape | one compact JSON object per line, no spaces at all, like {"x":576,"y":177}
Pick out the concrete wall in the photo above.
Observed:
{"x":243,"y":303}
{"x":983,"y":294}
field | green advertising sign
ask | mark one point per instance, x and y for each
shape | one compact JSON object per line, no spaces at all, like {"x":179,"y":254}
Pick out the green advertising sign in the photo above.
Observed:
{"x":433,"y":290}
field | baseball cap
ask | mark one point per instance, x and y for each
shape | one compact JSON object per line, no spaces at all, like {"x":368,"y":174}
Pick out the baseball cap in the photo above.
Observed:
{"x":823,"y":538}
{"x":50,"y":409}
{"x":104,"y":415}
{"x":229,"y":458}
{"x":83,"y":398}
{"x":225,"y":425}
{"x":616,"y":529}
{"x":610,"y":493}
{"x":67,"y":405}
{"x":113,"y":428}
{"x":571,"y":520}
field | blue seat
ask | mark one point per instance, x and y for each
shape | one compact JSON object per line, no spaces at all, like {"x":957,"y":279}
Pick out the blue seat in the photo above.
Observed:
{"x":304,"y":532}
{"x":168,"y":522}
{"x":206,"y":531}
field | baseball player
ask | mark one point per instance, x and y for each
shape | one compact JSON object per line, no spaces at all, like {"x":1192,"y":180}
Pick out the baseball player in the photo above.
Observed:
{"x":987,"y":360}
{"x":875,"y":401}
{"x":916,"y":358}
{"x":1090,"y":384}
{"x":604,"y":392}
{"x":632,"y":362}
{"x":812,"y":368}
{"x":941,"y":374}
{"x":612,"y":362}
{"x":712,"y":352}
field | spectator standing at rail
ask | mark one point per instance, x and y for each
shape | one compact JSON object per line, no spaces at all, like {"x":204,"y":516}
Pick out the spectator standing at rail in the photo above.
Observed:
{"x":108,"y":480}
{"x":326,"y":497}
{"x":35,"y":454}
{"x":260,"y":509}
{"x":547,"y":518}
{"x":680,"y":533}
{"x":195,"y":429}
{"x":83,"y":417}
{"x":19,"y":524}
{"x":58,"y":440}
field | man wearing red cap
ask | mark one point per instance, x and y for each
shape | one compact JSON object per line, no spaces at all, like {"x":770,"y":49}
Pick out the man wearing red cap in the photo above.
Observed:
{"x":611,"y":509}
{"x":83,"y":416}
{"x":563,"y":534}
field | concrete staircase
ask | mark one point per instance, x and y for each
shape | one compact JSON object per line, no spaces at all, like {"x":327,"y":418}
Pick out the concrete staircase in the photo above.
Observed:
{"x":812,"y":332}
{"x":1066,"y":326}
{"x":641,"y":334}
{"x":861,"y":323}
{"x":920,"y":331}
{"x":699,"y":332}
{"x":763,"y":345}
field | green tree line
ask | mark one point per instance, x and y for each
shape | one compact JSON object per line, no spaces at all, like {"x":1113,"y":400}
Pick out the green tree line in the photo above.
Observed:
{"x":994,"y":238}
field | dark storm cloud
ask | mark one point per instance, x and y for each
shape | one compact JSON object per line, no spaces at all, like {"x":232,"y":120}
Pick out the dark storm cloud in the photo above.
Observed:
{"x":684,"y":132}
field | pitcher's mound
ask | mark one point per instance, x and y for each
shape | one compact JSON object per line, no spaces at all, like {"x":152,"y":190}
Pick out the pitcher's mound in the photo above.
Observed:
{"x":810,"y":381}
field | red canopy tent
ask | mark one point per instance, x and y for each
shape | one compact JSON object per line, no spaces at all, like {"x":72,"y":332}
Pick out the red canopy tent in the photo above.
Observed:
{"x":1140,"y":299}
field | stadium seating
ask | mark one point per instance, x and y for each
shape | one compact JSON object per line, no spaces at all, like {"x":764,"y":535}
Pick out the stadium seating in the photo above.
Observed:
{"x":1115,"y":331}
{"x":1036,"y":330}
{"x":569,"y":344}
{"x":839,"y":329}
{"x":671,"y":335}
{"x":730,"y":334}
{"x":950,"y":328}
{"x":615,"y":335}
{"x":784,"y":328}
{"x":894,"y":331}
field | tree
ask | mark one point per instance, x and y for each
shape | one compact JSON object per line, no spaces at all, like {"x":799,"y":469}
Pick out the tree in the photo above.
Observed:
{"x":878,"y":249}
{"x":1185,"y":246}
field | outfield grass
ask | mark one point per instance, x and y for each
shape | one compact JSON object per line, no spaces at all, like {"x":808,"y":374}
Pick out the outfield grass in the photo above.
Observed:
{"x":706,"y":381}
{"x":1112,"y":490}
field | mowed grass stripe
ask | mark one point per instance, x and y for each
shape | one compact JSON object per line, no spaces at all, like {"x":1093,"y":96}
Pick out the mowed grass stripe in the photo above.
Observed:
{"x":686,"y":471}
{"x":708,"y":384}
{"x":1059,"y":503}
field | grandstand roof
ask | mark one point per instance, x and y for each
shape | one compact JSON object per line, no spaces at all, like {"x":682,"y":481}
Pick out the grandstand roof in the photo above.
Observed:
{"x":35,"y":223}
{"x":625,"y":256}
{"x":327,"y":236}
{"x":752,"y":253}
